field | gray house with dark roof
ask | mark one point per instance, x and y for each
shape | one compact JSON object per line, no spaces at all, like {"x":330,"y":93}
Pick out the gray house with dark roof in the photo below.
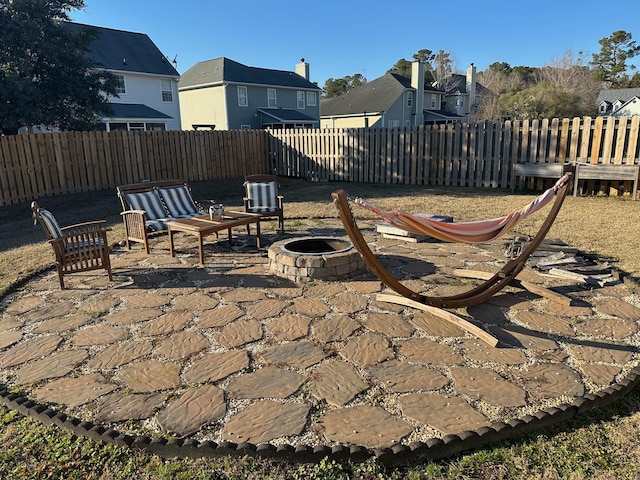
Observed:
{"x":148,"y":89}
{"x":395,"y":101}
{"x":227,"y":95}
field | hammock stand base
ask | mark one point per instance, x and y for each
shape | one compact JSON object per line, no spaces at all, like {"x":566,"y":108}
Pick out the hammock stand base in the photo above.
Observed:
{"x":437,"y":305}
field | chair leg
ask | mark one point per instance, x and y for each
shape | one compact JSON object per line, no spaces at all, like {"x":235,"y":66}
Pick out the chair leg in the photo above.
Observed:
{"x":61,"y":276}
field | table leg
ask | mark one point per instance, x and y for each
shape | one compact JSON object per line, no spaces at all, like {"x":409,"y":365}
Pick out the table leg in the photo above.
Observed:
{"x":201,"y":248}
{"x":258,"y":239}
{"x":171,"y":251}
{"x":230,"y":237}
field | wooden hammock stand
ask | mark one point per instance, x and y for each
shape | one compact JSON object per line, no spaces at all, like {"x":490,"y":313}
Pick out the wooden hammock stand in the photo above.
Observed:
{"x":436,"y":305}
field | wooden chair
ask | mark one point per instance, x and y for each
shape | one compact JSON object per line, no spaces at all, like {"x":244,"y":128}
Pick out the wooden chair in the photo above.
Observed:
{"x":262,"y":198}
{"x":78,"y":248}
{"x":436,"y":305}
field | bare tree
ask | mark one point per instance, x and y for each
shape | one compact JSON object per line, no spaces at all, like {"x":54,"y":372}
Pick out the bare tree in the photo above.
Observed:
{"x":571,"y":74}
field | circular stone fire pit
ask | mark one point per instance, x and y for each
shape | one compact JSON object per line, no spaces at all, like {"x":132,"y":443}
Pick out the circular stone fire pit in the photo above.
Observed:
{"x":314,"y":258}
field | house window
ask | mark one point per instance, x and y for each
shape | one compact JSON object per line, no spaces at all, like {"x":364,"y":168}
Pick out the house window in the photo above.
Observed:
{"x":125,"y":126}
{"x":243,"y":98}
{"x":271,"y":98}
{"x":409,"y":99}
{"x":311,"y":99}
{"x":300,"y":100}
{"x":121,"y":88}
{"x":433,"y":102}
{"x":245,"y":127}
{"x":407,"y":123}
{"x":167,"y":91}
{"x":393,"y":123}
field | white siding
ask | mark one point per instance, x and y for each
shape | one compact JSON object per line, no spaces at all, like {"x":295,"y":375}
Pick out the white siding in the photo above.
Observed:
{"x":146,"y":90}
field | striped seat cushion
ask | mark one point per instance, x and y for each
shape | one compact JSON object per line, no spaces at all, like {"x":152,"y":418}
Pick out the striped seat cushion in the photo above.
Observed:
{"x":150,"y":202}
{"x":178,"y":201}
{"x":263,"y":196}
{"x":51,"y":223}
{"x":83,"y":245}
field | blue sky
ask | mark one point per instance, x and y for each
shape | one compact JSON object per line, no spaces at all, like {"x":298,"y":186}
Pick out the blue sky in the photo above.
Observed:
{"x":340,"y":38}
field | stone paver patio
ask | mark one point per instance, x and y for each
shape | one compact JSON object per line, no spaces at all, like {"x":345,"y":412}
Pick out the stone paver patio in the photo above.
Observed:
{"x":230,"y":353}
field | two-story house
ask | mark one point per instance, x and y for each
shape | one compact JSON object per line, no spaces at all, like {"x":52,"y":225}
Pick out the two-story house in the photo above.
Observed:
{"x":620,"y":102}
{"x":394,"y":101}
{"x":227,"y":95}
{"x":148,"y":82}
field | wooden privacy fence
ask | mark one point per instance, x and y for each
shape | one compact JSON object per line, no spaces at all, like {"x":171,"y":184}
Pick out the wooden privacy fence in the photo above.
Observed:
{"x":44,"y":164}
{"x":478,"y":155}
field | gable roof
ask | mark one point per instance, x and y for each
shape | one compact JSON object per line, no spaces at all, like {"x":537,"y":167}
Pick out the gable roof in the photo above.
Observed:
{"x":612,"y":95}
{"x":457,"y":83}
{"x":372,"y":97}
{"x":222,"y":69}
{"x":126,"y":51}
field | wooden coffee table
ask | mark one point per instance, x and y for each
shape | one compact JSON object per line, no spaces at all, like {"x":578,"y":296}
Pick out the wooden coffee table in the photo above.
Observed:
{"x":202,"y":226}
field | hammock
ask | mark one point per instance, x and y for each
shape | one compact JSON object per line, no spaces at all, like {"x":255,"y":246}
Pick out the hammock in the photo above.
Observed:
{"x":464,"y":232}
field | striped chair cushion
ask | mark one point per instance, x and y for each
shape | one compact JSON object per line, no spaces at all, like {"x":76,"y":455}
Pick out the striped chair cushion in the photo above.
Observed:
{"x":150,"y":202}
{"x":51,"y":223}
{"x":83,"y":245}
{"x":178,"y":201}
{"x":262,"y":196}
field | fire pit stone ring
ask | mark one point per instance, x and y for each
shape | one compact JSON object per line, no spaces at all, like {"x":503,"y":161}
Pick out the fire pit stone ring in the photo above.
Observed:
{"x":306,"y":259}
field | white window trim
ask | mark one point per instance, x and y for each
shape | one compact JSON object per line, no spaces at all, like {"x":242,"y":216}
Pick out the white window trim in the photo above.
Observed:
{"x":300,"y":100}
{"x":164,"y":90}
{"x":124,"y":83}
{"x":272,"y":100}
{"x":311,"y":99}
{"x":409,"y":99}
{"x":243,"y":93}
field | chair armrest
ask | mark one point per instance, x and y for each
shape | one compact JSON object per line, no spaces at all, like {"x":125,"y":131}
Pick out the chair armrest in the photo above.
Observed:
{"x":133,"y":213}
{"x":86,"y":227}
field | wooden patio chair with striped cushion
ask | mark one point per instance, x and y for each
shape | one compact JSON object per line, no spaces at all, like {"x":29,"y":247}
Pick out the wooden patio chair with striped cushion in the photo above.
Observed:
{"x":77,"y":248}
{"x":262,"y":198}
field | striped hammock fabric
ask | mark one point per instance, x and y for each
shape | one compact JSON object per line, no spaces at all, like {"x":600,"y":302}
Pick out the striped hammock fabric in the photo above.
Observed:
{"x":464,"y":232}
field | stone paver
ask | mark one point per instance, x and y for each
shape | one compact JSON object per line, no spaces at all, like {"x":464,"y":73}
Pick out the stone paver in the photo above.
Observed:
{"x":265,"y":421}
{"x":150,"y":376}
{"x":268,"y":382}
{"x":367,"y":350}
{"x":299,"y":355}
{"x":364,"y":425}
{"x":401,"y":377}
{"x":58,"y":364}
{"x":487,"y":385}
{"x":230,"y":352}
{"x":336,"y":382}
{"x":448,"y":414}
{"x":193,"y":409}
{"x":118,"y":407}
{"x":75,"y":391}
{"x":216,"y":366}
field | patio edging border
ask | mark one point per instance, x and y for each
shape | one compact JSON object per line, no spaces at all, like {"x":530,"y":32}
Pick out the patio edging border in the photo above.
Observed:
{"x":416,"y":452}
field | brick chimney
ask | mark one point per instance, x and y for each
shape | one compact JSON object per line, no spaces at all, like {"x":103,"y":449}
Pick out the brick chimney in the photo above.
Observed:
{"x":302,"y":69}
